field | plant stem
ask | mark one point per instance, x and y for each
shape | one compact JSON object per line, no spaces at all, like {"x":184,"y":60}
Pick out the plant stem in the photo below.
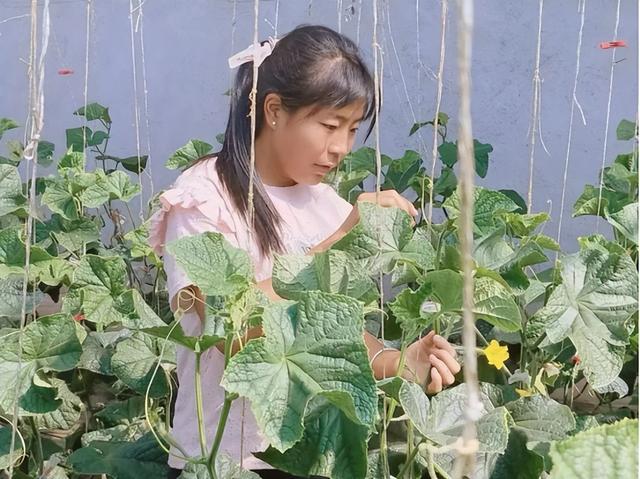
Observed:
{"x":409,"y":462}
{"x":480,"y":336}
{"x":383,"y":442}
{"x":430,"y":468}
{"x":392,"y":407}
{"x":224,"y":414}
{"x":39,"y":456}
{"x":410,"y":452}
{"x":199,"y":409}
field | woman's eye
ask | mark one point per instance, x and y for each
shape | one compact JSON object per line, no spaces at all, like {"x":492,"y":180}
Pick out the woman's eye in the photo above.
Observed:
{"x":353,"y":130}
{"x":331,"y":127}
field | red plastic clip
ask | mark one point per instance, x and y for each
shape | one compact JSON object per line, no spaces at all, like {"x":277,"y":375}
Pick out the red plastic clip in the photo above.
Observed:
{"x":614,"y":44}
{"x":65,"y":71}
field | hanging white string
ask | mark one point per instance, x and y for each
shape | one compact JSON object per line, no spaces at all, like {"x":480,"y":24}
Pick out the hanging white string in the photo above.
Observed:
{"x":148,"y":172}
{"x":339,"y":8}
{"x":275,"y":29}
{"x":359,"y":19}
{"x":536,"y":109}
{"x":418,"y":55}
{"x":606,"y":127}
{"x":582,"y":4}
{"x":378,"y":104}
{"x":434,"y":147}
{"x":30,"y":154}
{"x":466,"y":453}
{"x":136,"y":110}
{"x":402,"y":77}
{"x":252,"y":99}
{"x":86,"y":76}
{"x":234,"y":20}
{"x":378,"y":95}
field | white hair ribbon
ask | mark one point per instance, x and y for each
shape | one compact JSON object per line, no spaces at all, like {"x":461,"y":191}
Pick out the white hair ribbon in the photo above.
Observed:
{"x":254,"y":52}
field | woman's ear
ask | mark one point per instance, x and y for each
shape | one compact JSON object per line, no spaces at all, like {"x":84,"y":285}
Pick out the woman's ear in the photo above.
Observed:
{"x":273,"y":112}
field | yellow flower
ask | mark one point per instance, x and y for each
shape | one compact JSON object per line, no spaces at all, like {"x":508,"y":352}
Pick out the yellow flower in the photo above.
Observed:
{"x":524,"y":393}
{"x":496,"y":354}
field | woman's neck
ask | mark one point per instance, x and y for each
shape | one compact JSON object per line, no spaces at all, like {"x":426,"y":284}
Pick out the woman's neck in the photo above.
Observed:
{"x":267,"y":164}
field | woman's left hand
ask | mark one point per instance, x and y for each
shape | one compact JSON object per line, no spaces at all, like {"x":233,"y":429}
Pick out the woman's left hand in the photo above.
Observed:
{"x":431,"y":359}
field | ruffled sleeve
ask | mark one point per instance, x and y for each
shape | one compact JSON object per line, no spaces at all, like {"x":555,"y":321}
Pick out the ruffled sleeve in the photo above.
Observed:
{"x":191,"y":206}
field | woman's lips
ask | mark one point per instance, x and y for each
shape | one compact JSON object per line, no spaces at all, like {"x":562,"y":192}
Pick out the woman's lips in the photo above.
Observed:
{"x":324,"y":168}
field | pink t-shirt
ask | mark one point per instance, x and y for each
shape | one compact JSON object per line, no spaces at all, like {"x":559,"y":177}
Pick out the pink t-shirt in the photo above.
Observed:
{"x":195,"y":203}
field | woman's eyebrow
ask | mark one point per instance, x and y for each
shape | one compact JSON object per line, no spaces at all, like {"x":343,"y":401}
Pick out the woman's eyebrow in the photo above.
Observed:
{"x":342,"y":117}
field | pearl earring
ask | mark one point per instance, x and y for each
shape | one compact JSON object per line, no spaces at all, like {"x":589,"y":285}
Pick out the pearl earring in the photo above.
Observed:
{"x":273,"y":123}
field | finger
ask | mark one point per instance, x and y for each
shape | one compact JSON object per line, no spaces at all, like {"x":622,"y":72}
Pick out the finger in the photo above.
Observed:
{"x":436,"y":382}
{"x":445,"y":374}
{"x":410,"y":208}
{"x":427,"y":341}
{"x":445,"y":356}
{"x":442,"y":343}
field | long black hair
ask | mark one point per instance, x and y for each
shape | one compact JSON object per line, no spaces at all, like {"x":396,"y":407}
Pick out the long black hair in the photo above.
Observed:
{"x":310,"y":65}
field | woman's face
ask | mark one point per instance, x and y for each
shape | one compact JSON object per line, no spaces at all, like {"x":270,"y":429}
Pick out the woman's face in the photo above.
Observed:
{"x":306,"y":147}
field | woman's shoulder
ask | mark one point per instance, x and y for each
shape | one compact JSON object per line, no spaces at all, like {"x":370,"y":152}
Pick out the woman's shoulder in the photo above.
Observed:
{"x":197,"y":193}
{"x":200,"y":174}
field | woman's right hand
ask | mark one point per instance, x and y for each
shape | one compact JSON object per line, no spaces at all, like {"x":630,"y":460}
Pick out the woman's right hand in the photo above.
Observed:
{"x":387,"y":199}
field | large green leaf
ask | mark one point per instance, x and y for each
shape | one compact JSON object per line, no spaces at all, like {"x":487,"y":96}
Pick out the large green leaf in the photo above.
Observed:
{"x":489,"y":205}
{"x":60,"y":197}
{"x":418,"y":257}
{"x":42,"y":265}
{"x":401,"y":171}
{"x":67,"y":415}
{"x":407,"y":307}
{"x":492,"y":251}
{"x":176,"y":335}
{"x":101,"y":281}
{"x":626,"y":221}
{"x":11,"y":297}
{"x":72,"y":162}
{"x":411,"y":397}
{"x":449,"y":155}
{"x":189,"y":153}
{"x":446,"y":421}
{"x":212,"y":263}
{"x":332,"y":271}
{"x":379,"y":237}
{"x":11,"y":197}
{"x":447,"y":418}
{"x":121,"y":460}
{"x":594,"y":201}
{"x":98,"y":348}
{"x":540,"y":418}
{"x":312,"y":347}
{"x":134,"y":363}
{"x":72,"y":234}
{"x":136,"y":313}
{"x":5,"y":447}
{"x":626,"y":130}
{"x":363,"y":159}
{"x":609,"y":451}
{"x":116,"y":185}
{"x":524,"y":224}
{"x":122,"y":412}
{"x":493,"y":302}
{"x":7,"y":124}
{"x":49,"y":344}
{"x":592,"y":307}
{"x":331,"y":446}
{"x":94,"y":111}
{"x":516,"y":462}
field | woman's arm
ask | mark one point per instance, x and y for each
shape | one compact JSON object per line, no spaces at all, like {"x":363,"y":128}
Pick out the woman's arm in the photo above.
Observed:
{"x":386,"y":363}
